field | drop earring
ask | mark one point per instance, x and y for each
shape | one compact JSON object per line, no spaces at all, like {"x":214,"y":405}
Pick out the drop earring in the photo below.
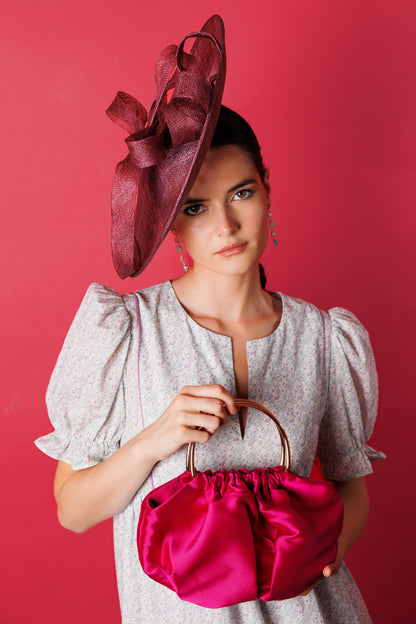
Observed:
{"x":272,"y":223}
{"x":180,"y":250}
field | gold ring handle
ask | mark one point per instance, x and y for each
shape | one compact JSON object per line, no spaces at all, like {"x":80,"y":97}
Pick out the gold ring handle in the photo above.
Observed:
{"x":284,"y":442}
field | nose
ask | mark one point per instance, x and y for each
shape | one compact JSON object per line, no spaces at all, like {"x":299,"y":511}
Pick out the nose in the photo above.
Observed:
{"x":226,"y":222}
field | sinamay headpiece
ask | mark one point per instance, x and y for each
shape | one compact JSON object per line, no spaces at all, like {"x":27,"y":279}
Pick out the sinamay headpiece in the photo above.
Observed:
{"x":166,"y":146}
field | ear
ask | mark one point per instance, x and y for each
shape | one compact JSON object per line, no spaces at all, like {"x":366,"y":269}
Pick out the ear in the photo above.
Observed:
{"x":266,"y":181}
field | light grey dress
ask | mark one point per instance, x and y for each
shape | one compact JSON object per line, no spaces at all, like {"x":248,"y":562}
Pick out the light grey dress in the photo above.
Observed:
{"x":316,"y":372}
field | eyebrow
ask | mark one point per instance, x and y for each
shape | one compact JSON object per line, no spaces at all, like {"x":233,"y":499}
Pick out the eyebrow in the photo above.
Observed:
{"x":192,"y":200}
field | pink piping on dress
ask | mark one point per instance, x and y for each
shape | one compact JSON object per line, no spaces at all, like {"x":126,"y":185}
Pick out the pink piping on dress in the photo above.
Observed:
{"x":323,"y":361}
{"x":138,"y":370}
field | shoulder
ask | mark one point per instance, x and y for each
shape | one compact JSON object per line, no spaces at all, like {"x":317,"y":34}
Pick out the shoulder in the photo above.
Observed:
{"x":302,"y":317}
{"x":156,"y":302}
{"x":338,"y":329}
{"x":106,"y":303}
{"x":349,"y":338}
{"x":298,"y":306}
{"x":156,"y":294}
{"x":351,"y":349}
{"x":106,"y":313}
{"x":104,"y":316}
{"x":344,"y":322}
{"x":103,"y":307}
{"x":345,"y":339}
{"x":337,"y":320}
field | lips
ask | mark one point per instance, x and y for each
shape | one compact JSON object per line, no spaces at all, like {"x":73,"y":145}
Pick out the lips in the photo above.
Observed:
{"x":231,"y":250}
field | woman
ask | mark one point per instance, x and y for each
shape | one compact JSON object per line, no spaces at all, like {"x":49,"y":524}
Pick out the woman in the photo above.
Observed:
{"x":212,"y":335}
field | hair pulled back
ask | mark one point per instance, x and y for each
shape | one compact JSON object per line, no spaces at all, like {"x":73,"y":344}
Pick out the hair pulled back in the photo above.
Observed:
{"x":232,"y":129}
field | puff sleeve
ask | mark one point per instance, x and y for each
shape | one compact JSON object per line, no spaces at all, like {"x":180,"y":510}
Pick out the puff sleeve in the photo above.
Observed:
{"x":85,"y":396}
{"x":351,"y":403}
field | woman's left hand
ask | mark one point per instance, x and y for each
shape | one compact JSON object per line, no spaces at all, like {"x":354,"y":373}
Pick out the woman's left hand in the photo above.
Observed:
{"x":354,"y":498}
{"x":331,"y":569}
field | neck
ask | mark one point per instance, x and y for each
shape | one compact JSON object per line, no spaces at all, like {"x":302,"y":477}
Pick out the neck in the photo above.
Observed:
{"x":228,"y":298}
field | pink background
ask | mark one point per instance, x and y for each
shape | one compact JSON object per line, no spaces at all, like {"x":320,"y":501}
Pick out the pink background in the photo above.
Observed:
{"x":330,"y":89}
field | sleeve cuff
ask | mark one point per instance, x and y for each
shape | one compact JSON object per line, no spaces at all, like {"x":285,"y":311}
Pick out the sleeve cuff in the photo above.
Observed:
{"x":355,"y":464}
{"x":74,"y":450}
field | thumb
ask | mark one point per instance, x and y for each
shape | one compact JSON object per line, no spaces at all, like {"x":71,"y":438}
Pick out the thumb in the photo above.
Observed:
{"x":329,"y":570}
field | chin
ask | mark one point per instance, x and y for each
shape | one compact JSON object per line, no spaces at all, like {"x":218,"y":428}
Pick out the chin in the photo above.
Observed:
{"x":235,"y":269}
{"x":239,"y":264}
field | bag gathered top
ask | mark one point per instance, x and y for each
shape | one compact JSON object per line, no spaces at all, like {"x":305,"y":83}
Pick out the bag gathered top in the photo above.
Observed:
{"x":224,"y":537}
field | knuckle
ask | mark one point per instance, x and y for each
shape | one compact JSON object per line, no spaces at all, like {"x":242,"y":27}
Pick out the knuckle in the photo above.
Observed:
{"x":218,"y":404}
{"x":180,"y":434}
{"x":216,"y":407}
{"x":222,"y":410}
{"x":204,"y":436}
{"x":213,"y":424}
{"x":217,"y":423}
{"x":180,"y":401}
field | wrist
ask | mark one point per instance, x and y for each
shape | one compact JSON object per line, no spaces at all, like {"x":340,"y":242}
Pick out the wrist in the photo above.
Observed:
{"x":145,"y":448}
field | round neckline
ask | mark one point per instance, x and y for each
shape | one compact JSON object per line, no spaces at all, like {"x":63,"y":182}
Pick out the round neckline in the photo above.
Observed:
{"x":193,"y":322}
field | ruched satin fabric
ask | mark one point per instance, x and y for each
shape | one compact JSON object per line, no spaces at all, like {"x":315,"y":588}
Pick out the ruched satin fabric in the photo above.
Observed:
{"x":226,"y":537}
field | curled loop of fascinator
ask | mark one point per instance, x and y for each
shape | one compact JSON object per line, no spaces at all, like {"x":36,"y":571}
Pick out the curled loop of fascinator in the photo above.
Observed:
{"x":180,"y":52}
{"x":166,"y":146}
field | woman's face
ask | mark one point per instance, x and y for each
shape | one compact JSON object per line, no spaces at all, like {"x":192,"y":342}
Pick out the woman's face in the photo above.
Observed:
{"x":223,"y":224}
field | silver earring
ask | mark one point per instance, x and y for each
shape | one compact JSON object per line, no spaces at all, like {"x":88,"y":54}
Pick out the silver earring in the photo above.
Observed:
{"x":272,"y":223}
{"x":180,"y":251}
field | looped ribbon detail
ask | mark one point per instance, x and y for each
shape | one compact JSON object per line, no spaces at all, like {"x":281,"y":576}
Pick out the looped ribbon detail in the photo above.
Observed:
{"x":178,"y":114}
{"x":166,"y":144}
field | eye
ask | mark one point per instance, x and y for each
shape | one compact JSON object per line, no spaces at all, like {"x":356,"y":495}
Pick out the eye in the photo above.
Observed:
{"x":243,"y":194}
{"x":194,"y":210}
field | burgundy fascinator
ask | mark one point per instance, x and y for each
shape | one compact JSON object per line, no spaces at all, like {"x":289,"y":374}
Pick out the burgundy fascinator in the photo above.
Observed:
{"x":167,"y":145}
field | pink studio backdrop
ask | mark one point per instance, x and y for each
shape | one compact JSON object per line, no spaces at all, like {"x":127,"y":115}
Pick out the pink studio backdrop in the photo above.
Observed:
{"x":330,"y":88}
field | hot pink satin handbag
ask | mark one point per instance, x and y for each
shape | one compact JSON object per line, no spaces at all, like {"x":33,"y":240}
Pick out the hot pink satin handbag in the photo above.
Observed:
{"x":220,"y":538}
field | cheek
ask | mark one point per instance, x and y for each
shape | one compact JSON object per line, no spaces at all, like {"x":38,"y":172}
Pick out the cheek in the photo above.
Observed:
{"x":261,"y":221}
{"x":265,"y":232}
{"x":192,"y":236}
{"x":261,"y":226}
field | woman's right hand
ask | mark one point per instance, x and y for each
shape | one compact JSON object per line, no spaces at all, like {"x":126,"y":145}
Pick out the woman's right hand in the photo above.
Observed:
{"x":88,"y":496}
{"x":193,"y":416}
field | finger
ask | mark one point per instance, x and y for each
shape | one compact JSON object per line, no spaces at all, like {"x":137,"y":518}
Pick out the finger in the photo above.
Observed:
{"x":203,"y":405}
{"x":208,"y":422}
{"x":212,"y":391}
{"x":330,"y":570}
{"x":197,"y":435}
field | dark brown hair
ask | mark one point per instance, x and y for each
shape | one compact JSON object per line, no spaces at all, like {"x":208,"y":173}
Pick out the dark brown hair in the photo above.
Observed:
{"x":232,"y":129}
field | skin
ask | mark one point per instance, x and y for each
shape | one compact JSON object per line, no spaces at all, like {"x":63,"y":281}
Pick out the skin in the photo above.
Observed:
{"x":227,"y":206}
